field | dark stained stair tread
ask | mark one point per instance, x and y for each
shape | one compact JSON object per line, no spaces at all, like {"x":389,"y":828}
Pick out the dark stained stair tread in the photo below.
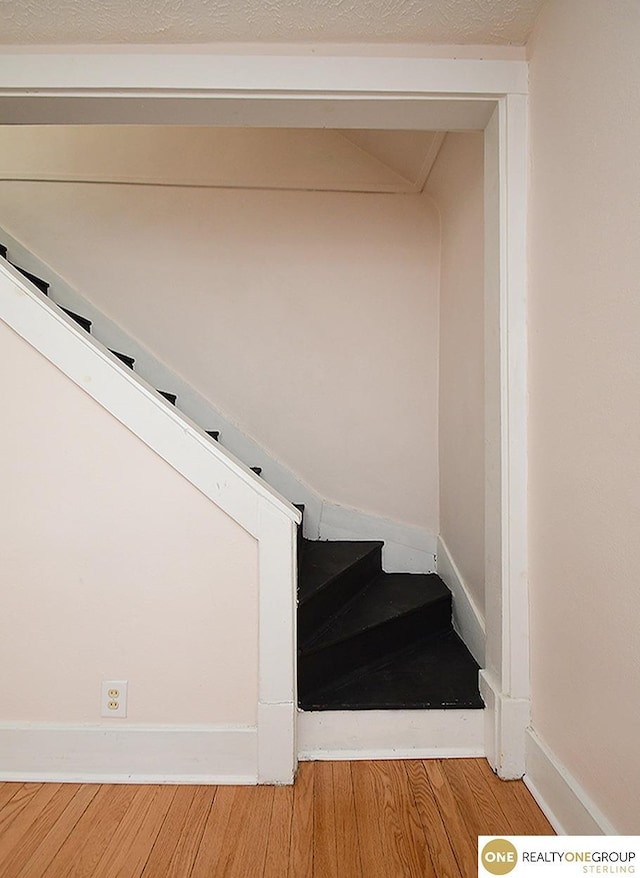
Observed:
{"x":171,"y":397}
{"x":82,"y":321}
{"x":127,"y":360}
{"x":369,"y":640}
{"x":387,"y":598}
{"x":213,"y":433}
{"x":391,"y":612}
{"x":439,"y":673}
{"x":330,"y":574}
{"x":325,"y":561}
{"x":42,"y":285}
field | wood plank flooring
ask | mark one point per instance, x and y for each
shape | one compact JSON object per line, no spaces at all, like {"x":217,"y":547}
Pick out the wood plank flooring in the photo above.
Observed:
{"x":340,"y":820}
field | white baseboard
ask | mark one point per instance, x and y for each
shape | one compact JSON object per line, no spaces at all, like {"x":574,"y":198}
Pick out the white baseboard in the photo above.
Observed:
{"x":506,"y":719}
{"x":390,"y":734}
{"x":406,"y":549}
{"x":468,"y":621}
{"x":565,"y":804}
{"x":96,"y":754}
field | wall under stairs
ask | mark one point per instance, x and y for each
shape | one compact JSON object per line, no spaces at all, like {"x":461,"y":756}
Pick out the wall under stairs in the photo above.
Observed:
{"x":117,"y":565}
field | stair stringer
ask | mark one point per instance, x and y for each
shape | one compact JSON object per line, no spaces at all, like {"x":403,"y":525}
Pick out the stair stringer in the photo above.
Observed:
{"x":215,"y":472}
{"x":407,"y":549}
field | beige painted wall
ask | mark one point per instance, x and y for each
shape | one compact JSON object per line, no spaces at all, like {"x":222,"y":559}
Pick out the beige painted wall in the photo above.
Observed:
{"x":113,"y":566}
{"x":456,"y":185}
{"x":273,"y":158}
{"x":585,"y":391}
{"x":309,"y":319}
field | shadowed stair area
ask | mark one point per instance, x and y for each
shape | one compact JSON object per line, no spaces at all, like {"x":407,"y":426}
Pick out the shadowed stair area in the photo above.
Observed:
{"x":369,"y":640}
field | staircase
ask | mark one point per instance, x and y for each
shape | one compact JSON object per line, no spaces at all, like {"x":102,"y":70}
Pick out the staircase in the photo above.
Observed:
{"x":367,"y":640}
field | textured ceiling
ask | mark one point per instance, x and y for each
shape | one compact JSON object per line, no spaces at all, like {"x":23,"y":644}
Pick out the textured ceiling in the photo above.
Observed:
{"x":498,"y":22}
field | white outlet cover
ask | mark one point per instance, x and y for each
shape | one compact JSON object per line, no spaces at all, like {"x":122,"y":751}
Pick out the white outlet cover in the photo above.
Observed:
{"x":113,"y":702}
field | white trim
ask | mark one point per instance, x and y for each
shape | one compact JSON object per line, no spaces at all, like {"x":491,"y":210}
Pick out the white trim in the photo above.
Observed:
{"x":468,"y":621}
{"x":506,"y":561}
{"x":564,"y":802}
{"x":515,"y":398}
{"x":276,"y":648}
{"x":277,"y":564}
{"x":40,"y":752}
{"x":390,"y":734}
{"x":406,"y":549}
{"x":173,"y":72}
{"x":277,"y":759}
{"x":505,"y":721}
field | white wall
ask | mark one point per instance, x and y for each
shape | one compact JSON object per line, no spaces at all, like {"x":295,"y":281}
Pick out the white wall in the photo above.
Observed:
{"x":271,"y":158}
{"x":456,"y":185}
{"x":113,"y":566}
{"x":584,"y":415}
{"x":310,"y":319}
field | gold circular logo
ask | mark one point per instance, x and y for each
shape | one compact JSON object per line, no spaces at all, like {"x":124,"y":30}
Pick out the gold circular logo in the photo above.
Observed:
{"x":499,"y":856}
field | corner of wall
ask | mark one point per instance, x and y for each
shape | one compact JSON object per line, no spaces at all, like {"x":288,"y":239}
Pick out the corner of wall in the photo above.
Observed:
{"x":468,"y":621}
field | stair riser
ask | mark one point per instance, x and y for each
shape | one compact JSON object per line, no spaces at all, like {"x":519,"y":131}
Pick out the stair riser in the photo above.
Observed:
{"x":315,"y":612}
{"x":330,"y":663}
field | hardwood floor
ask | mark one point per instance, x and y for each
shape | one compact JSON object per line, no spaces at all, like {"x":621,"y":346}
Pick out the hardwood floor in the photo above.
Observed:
{"x":340,"y":820}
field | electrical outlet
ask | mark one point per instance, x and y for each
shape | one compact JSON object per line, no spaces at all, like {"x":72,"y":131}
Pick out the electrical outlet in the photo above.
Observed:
{"x":114,"y":698}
